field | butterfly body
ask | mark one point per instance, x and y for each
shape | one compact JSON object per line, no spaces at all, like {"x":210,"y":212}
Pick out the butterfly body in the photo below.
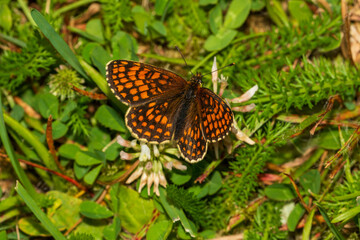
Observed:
{"x":165,"y":107}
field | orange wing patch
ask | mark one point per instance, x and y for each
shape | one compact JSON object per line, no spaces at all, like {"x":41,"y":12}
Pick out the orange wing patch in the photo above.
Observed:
{"x":136,"y":83}
{"x":151,"y":122}
{"x":192,"y":144}
{"x":216,"y":115}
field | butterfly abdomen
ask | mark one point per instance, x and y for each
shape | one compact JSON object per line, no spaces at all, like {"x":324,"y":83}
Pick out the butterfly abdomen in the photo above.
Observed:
{"x":186,"y":111}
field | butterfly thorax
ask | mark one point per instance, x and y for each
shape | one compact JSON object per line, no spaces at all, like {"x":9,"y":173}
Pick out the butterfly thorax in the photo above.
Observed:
{"x":197,"y":78}
{"x":193,"y":86}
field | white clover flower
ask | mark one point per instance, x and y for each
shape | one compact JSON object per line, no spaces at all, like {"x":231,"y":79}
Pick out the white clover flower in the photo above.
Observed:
{"x":152,"y":159}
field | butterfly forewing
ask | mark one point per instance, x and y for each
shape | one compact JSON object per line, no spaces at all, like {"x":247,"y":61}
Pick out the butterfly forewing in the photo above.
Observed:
{"x":136,"y":83}
{"x":216,"y":115}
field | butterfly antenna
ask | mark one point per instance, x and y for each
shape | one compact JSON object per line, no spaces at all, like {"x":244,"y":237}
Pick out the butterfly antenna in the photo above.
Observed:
{"x":231,"y":64}
{"x":184,"y":59}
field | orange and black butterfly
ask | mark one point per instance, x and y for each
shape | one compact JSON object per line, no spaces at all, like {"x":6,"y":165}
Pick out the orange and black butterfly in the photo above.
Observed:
{"x":165,"y":107}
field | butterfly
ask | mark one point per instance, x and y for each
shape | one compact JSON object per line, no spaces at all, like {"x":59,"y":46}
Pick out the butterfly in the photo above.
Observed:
{"x":165,"y":107}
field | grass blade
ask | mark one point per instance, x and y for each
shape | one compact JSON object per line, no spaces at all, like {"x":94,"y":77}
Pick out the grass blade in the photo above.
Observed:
{"x":10,"y":152}
{"x":40,"y":149}
{"x":40,"y":215}
{"x":332,"y":227}
{"x":57,"y":41}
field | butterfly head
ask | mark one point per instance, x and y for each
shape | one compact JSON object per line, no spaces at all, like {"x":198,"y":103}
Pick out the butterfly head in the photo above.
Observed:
{"x":196,"y":78}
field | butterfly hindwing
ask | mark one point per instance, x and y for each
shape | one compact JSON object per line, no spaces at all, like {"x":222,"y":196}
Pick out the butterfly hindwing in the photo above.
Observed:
{"x":192,"y":143}
{"x":153,"y":121}
{"x":216,"y":115}
{"x":135,"y":83}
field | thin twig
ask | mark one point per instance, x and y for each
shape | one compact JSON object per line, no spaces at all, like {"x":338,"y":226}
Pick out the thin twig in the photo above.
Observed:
{"x":50,"y":143}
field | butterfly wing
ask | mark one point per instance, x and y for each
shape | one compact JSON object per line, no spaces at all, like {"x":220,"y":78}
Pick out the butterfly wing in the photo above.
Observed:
{"x":191,"y":142}
{"x":136,"y":83}
{"x":216,"y":115}
{"x":153,"y":121}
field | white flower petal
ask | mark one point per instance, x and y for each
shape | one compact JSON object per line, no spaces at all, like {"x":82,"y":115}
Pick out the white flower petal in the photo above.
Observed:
{"x":246,"y":96}
{"x":214,"y":75}
{"x":150,"y":181}
{"x":162,"y":179}
{"x":145,"y":152}
{"x":126,"y":156}
{"x":156,"y":185}
{"x":143,"y":181}
{"x":123,"y":142}
{"x":135,"y":175}
{"x":246,"y":108}
{"x":156,"y":151}
{"x":178,"y":165}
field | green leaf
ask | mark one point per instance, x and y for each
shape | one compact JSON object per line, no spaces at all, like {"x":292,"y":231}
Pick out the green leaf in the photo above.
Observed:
{"x":347,"y":215}
{"x":89,"y":158}
{"x":257,"y":5}
{"x":215,"y":19}
{"x":5,"y":17}
{"x":311,"y":180}
{"x":92,"y":227}
{"x":86,"y":35}
{"x":142,"y":19}
{"x":91,"y":176}
{"x":182,"y":234}
{"x":114,"y":191}
{"x":98,"y":139}
{"x":87,"y":51}
{"x":32,"y":227}
{"x":111,"y":232}
{"x":47,"y":104}
{"x":58,"y":130}
{"x":69,"y":107}
{"x":80,"y":171}
{"x":295,"y":216}
{"x":176,"y":214}
{"x":160,"y":6}
{"x":160,"y":230}
{"x":207,"y":234}
{"x":3,"y":235}
{"x":112,"y":152}
{"x":95,"y":28}
{"x":58,"y":43}
{"x":40,"y":215}
{"x":331,"y":139}
{"x":159,"y":27}
{"x":207,"y":2}
{"x":65,"y":210}
{"x":124,"y":46}
{"x":333,"y":43}
{"x":94,"y":211}
{"x":68,"y":150}
{"x":134,"y":212}
{"x":214,"y":183}
{"x":237,"y":13}
{"x":180,"y":177}
{"x":108,"y":117}
{"x":219,"y":41}
{"x":277,"y":13}
{"x":308,"y":225}
{"x":100,"y":58}
{"x":280,"y":192}
{"x":17,"y":113}
{"x":300,"y":11}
